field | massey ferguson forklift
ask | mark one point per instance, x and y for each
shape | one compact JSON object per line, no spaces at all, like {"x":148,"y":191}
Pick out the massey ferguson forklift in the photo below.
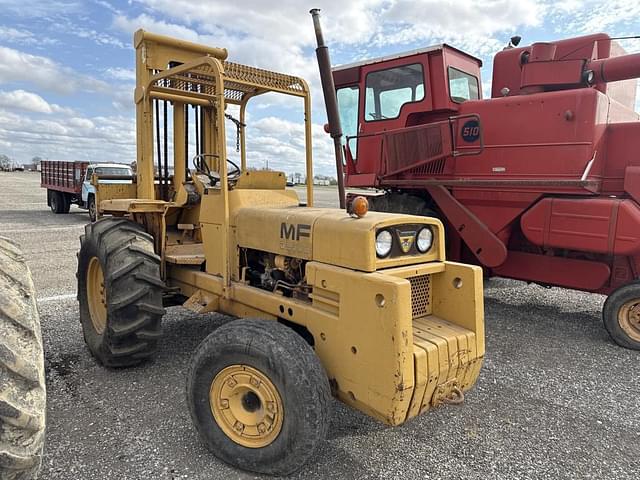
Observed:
{"x":358,"y":304}
{"x":539,"y":183}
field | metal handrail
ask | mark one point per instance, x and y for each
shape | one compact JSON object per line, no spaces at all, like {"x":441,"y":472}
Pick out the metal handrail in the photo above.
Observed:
{"x":456,"y":151}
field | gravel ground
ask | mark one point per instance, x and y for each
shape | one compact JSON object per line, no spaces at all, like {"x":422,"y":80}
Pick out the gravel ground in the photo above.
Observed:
{"x":556,"y":397}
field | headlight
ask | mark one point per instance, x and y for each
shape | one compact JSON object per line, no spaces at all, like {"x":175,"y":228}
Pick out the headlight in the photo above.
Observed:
{"x":383,"y":243}
{"x":424,"y":239}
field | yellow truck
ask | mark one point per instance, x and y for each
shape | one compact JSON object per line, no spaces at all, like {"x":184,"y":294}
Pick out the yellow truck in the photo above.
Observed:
{"x":355,"y":304}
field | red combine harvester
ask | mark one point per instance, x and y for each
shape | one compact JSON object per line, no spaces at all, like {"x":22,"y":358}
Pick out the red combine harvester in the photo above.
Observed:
{"x":539,"y":183}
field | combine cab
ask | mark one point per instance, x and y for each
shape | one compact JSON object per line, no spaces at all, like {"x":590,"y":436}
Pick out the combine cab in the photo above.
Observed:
{"x":539,"y":183}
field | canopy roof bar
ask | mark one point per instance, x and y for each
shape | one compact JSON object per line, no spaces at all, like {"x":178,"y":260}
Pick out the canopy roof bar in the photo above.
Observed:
{"x":196,"y":80}
{"x":187,"y":73}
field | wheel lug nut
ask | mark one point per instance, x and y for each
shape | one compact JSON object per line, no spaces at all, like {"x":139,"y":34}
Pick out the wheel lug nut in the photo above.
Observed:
{"x":231,"y":382}
{"x":262,"y":428}
{"x":224,"y":403}
{"x":254,"y":382}
{"x":239,"y":426}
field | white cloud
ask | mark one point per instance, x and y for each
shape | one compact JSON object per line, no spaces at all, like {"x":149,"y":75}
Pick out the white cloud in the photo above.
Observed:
{"x":480,"y":30}
{"x":356,"y":22}
{"x":29,"y":101}
{"x":593,"y":16}
{"x":100,"y":38}
{"x":75,"y":138}
{"x":281,"y":143}
{"x":106,"y":5}
{"x":118,"y":73}
{"x":18,"y":66}
{"x":21,"y":100}
{"x":40,"y":8}
{"x":24,"y":37}
{"x":486,"y":16}
{"x":59,"y":15}
{"x":130,"y":25}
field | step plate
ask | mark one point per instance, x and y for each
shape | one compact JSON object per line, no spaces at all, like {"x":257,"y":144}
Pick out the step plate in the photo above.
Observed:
{"x":185,"y":254}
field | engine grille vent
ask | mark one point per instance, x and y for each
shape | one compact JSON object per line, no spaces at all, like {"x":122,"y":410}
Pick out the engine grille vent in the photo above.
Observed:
{"x":433,"y":168}
{"x":414,"y":145}
{"x":420,"y":295}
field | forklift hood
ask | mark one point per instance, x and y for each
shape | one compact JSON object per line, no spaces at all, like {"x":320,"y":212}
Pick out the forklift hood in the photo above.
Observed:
{"x":331,"y":236}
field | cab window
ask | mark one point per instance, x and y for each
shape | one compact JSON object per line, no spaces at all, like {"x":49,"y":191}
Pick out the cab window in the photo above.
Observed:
{"x":348,"y":98}
{"x":388,"y":90}
{"x":113,"y":171}
{"x":463,"y":86}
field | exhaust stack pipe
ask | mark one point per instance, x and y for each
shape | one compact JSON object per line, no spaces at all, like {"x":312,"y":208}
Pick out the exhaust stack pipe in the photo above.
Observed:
{"x":330,"y":101}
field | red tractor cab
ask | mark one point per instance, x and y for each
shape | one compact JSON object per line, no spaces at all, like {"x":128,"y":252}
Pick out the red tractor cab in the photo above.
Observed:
{"x":539,"y":183}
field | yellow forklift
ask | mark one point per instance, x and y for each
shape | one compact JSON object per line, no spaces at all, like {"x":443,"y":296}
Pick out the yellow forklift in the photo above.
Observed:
{"x":355,"y":304}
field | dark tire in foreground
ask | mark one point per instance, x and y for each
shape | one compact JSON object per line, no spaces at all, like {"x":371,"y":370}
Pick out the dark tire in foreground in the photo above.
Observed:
{"x":259,"y":396}
{"x":22,"y":382}
{"x":120,"y":292}
{"x":621,"y":315}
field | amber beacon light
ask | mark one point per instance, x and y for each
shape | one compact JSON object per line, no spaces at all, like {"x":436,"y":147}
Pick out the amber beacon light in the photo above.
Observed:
{"x":358,"y":207}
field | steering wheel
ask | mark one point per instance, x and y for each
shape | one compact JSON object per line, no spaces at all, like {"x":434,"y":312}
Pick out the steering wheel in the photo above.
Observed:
{"x":214,"y":177}
{"x":235,"y":172}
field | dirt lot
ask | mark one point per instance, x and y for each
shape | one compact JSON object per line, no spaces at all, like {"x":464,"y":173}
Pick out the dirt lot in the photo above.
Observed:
{"x":556,"y":398}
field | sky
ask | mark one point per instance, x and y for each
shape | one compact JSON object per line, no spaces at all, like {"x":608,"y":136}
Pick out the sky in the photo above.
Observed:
{"x":67,"y":66}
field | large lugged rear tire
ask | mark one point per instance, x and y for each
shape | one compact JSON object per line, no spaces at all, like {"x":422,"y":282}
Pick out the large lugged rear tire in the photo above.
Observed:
{"x":22,"y":382}
{"x":120,"y":292}
{"x":259,"y":396}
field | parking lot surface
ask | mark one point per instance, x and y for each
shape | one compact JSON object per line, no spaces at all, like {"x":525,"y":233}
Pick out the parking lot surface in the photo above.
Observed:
{"x":556,"y":397}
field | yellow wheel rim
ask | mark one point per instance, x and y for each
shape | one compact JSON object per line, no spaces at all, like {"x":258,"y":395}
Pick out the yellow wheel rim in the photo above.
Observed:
{"x":97,"y":297}
{"x":246,"y":406}
{"x":629,"y":319}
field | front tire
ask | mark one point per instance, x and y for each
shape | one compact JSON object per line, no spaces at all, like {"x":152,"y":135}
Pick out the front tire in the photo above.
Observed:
{"x":120,"y":292}
{"x":22,"y":381}
{"x":91,"y":206}
{"x":258,"y":396}
{"x":621,"y":315}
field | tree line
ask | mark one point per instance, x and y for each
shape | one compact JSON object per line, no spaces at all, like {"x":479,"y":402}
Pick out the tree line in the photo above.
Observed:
{"x":7,"y":164}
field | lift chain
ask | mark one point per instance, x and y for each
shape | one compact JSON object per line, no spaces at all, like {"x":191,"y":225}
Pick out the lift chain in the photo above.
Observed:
{"x":239,"y":125}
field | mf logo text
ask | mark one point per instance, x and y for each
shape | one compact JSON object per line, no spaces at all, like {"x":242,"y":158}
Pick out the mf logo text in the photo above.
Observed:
{"x":291,"y":231}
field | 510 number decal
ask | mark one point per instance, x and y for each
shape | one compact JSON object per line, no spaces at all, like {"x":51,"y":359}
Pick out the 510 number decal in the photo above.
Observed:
{"x":470,"y":131}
